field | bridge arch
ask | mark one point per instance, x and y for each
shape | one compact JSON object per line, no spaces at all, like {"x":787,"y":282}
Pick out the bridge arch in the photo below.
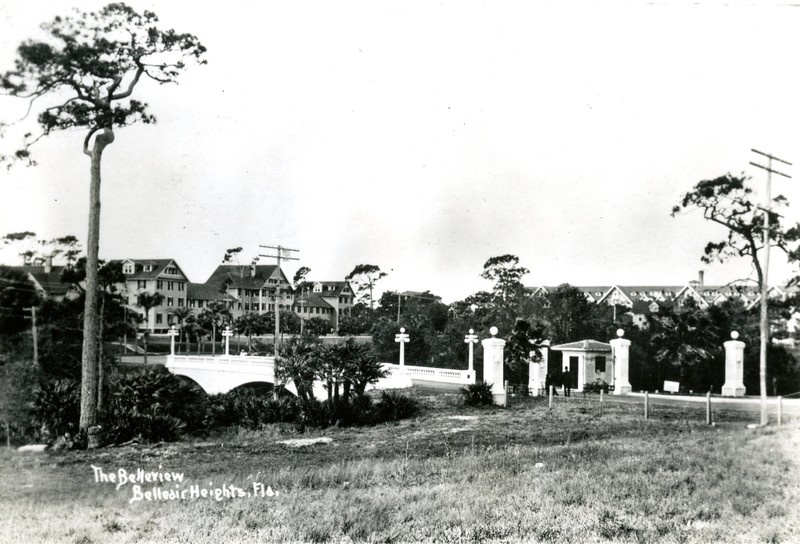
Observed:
{"x":221,"y":374}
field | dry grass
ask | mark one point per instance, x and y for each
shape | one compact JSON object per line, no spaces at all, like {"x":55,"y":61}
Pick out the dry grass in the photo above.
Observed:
{"x":510,"y":475}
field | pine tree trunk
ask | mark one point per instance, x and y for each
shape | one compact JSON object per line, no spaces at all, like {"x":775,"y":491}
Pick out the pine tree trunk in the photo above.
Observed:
{"x":90,"y":316}
{"x":100,"y":366}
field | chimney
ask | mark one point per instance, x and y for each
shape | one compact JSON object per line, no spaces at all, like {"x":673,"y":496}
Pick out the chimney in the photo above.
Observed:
{"x":48,"y":264}
{"x":700,"y":277}
{"x":253,"y":270}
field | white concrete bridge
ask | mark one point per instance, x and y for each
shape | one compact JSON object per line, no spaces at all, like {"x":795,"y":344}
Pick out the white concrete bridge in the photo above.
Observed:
{"x":222,"y":373}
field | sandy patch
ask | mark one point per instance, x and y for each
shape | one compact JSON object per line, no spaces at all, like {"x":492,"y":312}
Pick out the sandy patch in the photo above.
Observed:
{"x":300,"y":442}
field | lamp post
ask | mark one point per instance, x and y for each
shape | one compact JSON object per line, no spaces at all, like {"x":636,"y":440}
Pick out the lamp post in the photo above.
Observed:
{"x":173,"y":332}
{"x":402,"y":339}
{"x":227,"y":333}
{"x":471,"y":339}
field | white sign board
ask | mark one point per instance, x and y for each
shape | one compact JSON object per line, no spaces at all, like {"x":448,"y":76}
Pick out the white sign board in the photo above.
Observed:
{"x":671,"y":387}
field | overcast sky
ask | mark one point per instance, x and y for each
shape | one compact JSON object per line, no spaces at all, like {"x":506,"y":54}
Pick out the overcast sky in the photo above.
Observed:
{"x":426,"y":137}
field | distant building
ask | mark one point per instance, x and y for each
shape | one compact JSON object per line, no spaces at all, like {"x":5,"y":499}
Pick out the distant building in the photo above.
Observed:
{"x":339,"y":295}
{"x":201,"y":295}
{"x":162,"y":276}
{"x":250,"y":288}
{"x":47,"y":280}
{"x":644,"y":300}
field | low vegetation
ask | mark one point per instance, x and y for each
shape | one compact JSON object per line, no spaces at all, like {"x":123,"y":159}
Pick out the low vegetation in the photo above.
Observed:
{"x":450,"y":474}
{"x":478,"y":394}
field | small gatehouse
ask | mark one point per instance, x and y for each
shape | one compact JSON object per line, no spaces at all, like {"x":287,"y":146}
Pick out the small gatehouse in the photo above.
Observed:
{"x":587,"y":361}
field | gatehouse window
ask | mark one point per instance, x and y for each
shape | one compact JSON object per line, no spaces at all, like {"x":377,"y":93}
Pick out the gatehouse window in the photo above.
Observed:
{"x":600,"y":363}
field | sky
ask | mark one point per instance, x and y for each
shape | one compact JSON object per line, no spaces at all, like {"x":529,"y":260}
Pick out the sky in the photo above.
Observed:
{"x":426,"y":137}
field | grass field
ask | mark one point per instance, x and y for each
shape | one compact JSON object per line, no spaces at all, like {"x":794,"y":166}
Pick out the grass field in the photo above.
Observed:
{"x":521,"y":474}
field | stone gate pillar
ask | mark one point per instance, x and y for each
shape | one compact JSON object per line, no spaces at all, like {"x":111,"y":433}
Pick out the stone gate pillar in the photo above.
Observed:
{"x":537,"y":372}
{"x":493,"y":366}
{"x":734,"y":367}
{"x":621,"y":348}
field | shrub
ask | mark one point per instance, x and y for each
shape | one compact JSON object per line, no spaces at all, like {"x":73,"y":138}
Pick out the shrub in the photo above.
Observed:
{"x":596,"y":386}
{"x":249,"y":408}
{"x":57,"y":407}
{"x":152,"y":405}
{"x":359,"y":410}
{"x":478,"y":394}
{"x":394,"y":406}
{"x":18,"y":383}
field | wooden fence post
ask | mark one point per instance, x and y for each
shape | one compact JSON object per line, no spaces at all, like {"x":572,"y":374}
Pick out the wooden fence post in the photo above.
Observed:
{"x":780,"y":411}
{"x":550,"y":403}
{"x":601,"y":402}
{"x":708,"y":408}
{"x":646,"y":405}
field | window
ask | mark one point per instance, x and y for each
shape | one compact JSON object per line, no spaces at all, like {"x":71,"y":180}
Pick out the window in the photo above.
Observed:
{"x":171,"y":270}
{"x":600,"y":363}
{"x":181,"y":286}
{"x":159,"y":284}
{"x":180,"y":302}
{"x":199,"y":303}
{"x":141,"y":284}
{"x":159,"y":319}
{"x":170,"y":301}
{"x":170,"y":285}
{"x":127,"y":268}
{"x":147,"y":268}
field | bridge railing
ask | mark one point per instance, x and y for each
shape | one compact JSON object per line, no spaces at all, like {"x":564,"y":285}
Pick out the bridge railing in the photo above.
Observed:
{"x":440,"y":375}
{"x":229,"y":360}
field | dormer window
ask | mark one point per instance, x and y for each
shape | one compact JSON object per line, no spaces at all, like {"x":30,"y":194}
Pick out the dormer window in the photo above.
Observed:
{"x":127,"y":268}
{"x":147,"y":268}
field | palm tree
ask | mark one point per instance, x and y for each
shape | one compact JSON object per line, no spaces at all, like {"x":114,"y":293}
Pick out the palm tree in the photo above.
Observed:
{"x":181,"y":313}
{"x":148,"y":301}
{"x":684,"y":338}
{"x":250,"y":324}
{"x":215,"y":314}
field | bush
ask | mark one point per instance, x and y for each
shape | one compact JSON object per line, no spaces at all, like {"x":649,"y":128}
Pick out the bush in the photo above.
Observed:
{"x":596,"y":386}
{"x":252,"y":409}
{"x":18,"y":383}
{"x":360,"y":410}
{"x":478,"y":394}
{"x":152,"y":405}
{"x":57,"y":407}
{"x":394,"y":406}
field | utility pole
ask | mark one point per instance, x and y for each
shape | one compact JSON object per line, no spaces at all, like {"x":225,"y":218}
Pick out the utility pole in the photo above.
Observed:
{"x":32,"y":310}
{"x":762,"y":365}
{"x":280,"y":253}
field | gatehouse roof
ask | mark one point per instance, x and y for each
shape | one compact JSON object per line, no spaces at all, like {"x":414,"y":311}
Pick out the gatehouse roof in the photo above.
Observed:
{"x":583,"y":345}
